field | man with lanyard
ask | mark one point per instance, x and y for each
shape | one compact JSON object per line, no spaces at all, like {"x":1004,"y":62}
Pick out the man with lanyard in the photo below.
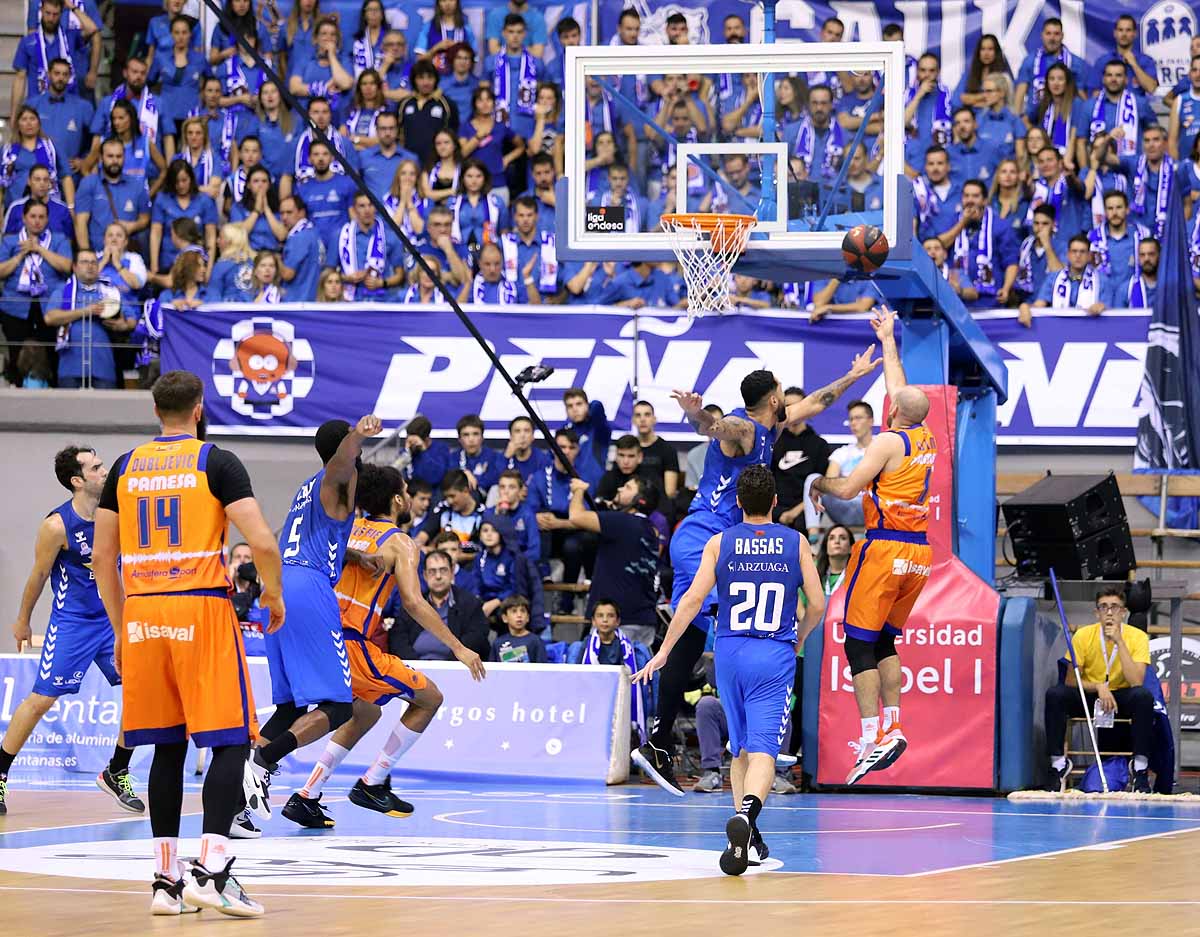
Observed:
{"x":526,"y":248}
{"x":987,"y":257}
{"x":329,"y":194}
{"x":1139,"y":290}
{"x":1079,"y":285}
{"x":41,"y":189}
{"x":1113,"y":657}
{"x":1115,"y":241}
{"x":53,"y":39}
{"x":744,"y":437}
{"x":78,"y":310}
{"x":79,"y":633}
{"x":303,"y":251}
{"x":1139,"y":68}
{"x":1151,"y":174}
{"x":515,"y":72}
{"x":1032,"y":76}
{"x":134,"y":91}
{"x":1118,"y":111}
{"x":107,"y":196}
{"x":66,"y":116}
{"x":1184,"y":123}
{"x":368,"y":253}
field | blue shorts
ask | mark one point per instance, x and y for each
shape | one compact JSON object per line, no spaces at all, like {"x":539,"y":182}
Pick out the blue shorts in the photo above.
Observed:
{"x":307,"y":657}
{"x":687,"y":548}
{"x":754,"y":679}
{"x":71,"y":646}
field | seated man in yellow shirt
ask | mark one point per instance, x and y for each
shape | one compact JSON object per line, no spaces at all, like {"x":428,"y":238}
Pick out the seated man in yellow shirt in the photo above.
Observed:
{"x":1113,"y":657}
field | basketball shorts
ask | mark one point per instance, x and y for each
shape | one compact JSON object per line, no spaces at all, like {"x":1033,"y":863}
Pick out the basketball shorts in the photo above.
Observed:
{"x":307,"y":656}
{"x":687,"y":548}
{"x":754,"y":681}
{"x":885,"y":577}
{"x":184,"y":671}
{"x":70,"y":647}
{"x":377,"y":676}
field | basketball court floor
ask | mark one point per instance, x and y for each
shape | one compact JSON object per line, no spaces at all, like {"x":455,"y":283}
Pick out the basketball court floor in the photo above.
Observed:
{"x":526,"y":859}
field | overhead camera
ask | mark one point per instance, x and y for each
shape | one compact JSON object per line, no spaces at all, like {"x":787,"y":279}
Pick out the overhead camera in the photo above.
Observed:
{"x":534,"y":374}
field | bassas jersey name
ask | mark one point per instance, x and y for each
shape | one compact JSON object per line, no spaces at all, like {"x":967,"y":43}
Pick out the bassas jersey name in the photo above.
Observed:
{"x":758,"y":546}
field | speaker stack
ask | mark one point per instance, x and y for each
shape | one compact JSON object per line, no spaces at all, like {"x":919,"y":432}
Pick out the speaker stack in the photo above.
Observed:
{"x":1073,"y":523}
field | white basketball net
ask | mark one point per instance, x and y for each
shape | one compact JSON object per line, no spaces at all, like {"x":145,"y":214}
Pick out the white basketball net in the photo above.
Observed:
{"x":708,"y":247}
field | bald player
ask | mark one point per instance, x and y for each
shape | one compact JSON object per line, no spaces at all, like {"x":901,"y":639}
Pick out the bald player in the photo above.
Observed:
{"x":890,"y":566}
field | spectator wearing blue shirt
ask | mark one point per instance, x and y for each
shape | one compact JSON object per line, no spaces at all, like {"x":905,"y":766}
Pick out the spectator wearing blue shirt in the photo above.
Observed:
{"x":987,"y":60}
{"x":1079,"y":285}
{"x":232,"y":277}
{"x":1116,"y":111}
{"x":567,"y":32}
{"x":482,"y":463}
{"x":460,"y":84}
{"x":429,"y":458}
{"x":446,"y":30}
{"x":515,"y":643}
{"x":1058,"y":110}
{"x":521,"y":455}
{"x":543,"y":176}
{"x":515,"y":72}
{"x":109,"y":195}
{"x":1008,"y":200}
{"x":550,"y":498}
{"x":529,"y":252}
{"x":178,"y":70}
{"x":736,"y":173}
{"x":344,"y":152}
{"x":853,"y":106}
{"x":329,"y":73}
{"x":971,"y":157}
{"x":47,"y":40}
{"x":985,"y":252}
{"x":368,"y":253}
{"x":1151,"y":175}
{"x":996,"y":124}
{"x":66,"y":117}
{"x":1139,"y":68}
{"x":500,"y":17}
{"x":962,"y":284}
{"x":1115,"y":240}
{"x":1032,"y":76}
{"x":276,"y":133}
{"x":590,"y":282}
{"x":492,"y":287}
{"x":935,"y":195}
{"x":1184,"y":125}
{"x":590,"y":424}
{"x":145,"y":105}
{"x":40,"y":188}
{"x":747,"y":293}
{"x":438,"y":242}
{"x":511,"y":508}
{"x":303,"y":251}
{"x":380,"y":162}
{"x":1185,"y":82}
{"x":77,"y":309}
{"x":180,"y":198}
{"x":640,"y":285}
{"x":928,"y":112}
{"x":1063,"y":191}
{"x":1038,"y":259}
{"x":158,"y":32}
{"x":1139,"y":291}
{"x":327,"y":194}
{"x":33,"y":263}
{"x":394,"y":66}
{"x":864,"y":189}
{"x":837,"y":297}
{"x":490,"y":141}
{"x":124,"y":269}
{"x":257,"y":211}
{"x":31,"y":147}
{"x":500,"y":565}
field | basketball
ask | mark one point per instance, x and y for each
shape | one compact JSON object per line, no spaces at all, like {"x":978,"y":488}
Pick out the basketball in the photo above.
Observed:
{"x":865,"y":248}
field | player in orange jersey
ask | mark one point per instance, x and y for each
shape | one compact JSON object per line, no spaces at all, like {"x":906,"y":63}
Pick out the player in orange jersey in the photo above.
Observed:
{"x":163,"y":514}
{"x":375,"y":675}
{"x":890,"y":566}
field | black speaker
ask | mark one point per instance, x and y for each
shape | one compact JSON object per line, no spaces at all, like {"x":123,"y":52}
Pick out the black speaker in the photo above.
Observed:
{"x":1073,"y":523}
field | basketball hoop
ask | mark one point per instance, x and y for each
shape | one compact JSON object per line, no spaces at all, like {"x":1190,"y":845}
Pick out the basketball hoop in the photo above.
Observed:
{"x":708,"y":245}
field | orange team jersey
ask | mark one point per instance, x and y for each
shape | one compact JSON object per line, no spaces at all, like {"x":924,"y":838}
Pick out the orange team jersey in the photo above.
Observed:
{"x":899,"y":499}
{"x":183,"y":662}
{"x":375,"y":675}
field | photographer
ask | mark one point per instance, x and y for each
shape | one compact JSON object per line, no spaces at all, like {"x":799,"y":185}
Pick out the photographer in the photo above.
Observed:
{"x":246,"y":590}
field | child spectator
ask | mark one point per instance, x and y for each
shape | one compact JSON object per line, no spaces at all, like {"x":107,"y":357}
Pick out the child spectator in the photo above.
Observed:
{"x":517,"y":644}
{"x":480,"y":462}
{"x":500,"y":566}
{"x":458,"y":511}
{"x":516,"y":511}
{"x":520,"y":453}
{"x":590,"y":423}
{"x":420,"y":496}
{"x":626,"y":465}
{"x":429,"y":458}
{"x":606,"y":644}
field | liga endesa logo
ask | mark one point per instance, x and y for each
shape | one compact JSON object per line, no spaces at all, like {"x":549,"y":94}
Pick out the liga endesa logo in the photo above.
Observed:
{"x":604,"y":219}
{"x":262,"y":369}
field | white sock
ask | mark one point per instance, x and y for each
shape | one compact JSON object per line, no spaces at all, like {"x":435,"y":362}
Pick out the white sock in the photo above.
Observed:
{"x":325,"y":766}
{"x":214,"y":851}
{"x":166,"y":857}
{"x":1140,"y":762}
{"x":870,"y":729}
{"x":401,"y":740}
{"x":1058,"y":763}
{"x":891,"y":717}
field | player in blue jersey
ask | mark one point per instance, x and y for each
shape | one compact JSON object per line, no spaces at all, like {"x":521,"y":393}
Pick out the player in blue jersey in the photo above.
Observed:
{"x":79,"y":633}
{"x":741,"y":438}
{"x":758,"y":569}
{"x":309,"y":666}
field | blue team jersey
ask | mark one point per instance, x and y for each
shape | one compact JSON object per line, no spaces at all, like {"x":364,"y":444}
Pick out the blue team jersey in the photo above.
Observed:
{"x":74,"y":585}
{"x":717,"y":491}
{"x":758,"y":582}
{"x":311,"y":537}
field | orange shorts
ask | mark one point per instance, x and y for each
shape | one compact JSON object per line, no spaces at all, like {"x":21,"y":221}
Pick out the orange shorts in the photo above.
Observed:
{"x":377,"y":676}
{"x":885,"y":578}
{"x":183,"y":668}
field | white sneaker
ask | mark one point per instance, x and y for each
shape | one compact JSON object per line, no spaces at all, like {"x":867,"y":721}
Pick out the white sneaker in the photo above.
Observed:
{"x":710,"y":783}
{"x":168,"y":897}
{"x":781,"y":785}
{"x":219,"y":891}
{"x":256,"y":787}
{"x":243,"y":826}
{"x":867,"y":758}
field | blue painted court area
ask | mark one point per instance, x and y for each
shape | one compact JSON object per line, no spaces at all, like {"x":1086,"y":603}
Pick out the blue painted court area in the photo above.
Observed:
{"x":866,"y":834}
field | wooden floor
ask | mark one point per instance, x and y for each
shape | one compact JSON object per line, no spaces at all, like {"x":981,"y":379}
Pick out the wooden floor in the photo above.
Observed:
{"x":1100,"y":873}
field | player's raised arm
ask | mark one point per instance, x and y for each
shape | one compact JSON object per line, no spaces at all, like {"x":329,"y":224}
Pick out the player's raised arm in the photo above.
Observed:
{"x":884,"y":324}
{"x":337,"y":487}
{"x":247,"y":516}
{"x":882,"y":448}
{"x":403,"y":553}
{"x":688,"y":608}
{"x":820,"y":399}
{"x":729,"y":430}
{"x":51,"y":537}
{"x":577,"y":513}
{"x":814,"y":610}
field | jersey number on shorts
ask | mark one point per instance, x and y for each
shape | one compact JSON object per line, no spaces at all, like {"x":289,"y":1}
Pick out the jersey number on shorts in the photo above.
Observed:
{"x":161,"y":513}
{"x":293,"y":547}
{"x":760,"y":608}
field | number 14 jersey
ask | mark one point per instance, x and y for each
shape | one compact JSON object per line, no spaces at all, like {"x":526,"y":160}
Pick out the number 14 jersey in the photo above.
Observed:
{"x":758,"y":582}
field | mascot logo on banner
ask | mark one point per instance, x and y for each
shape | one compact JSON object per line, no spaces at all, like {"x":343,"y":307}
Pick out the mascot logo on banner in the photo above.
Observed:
{"x":1167,"y":29}
{"x":262,"y":369}
{"x":654,"y":22}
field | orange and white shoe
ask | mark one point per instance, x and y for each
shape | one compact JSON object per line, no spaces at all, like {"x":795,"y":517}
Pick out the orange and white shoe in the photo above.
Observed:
{"x":866,"y":759}
{"x":892,"y":744}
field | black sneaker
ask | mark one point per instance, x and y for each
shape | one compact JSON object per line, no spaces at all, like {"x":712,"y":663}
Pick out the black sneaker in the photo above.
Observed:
{"x":1141,"y":780}
{"x":658,"y":767}
{"x":308,"y":812}
{"x":119,"y":786}
{"x":243,"y":826}
{"x":1056,"y":780}
{"x":379,"y":797}
{"x":736,"y":856}
{"x":3,"y":794}
{"x":758,"y":849}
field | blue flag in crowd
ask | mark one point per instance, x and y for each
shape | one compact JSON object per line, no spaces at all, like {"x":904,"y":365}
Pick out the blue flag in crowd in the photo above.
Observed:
{"x":1169,"y":429}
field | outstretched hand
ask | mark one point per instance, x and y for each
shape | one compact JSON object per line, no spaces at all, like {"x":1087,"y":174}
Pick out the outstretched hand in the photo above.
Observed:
{"x":689,"y":401}
{"x":653,"y":665}
{"x":864,"y":364}
{"x":884,"y":323}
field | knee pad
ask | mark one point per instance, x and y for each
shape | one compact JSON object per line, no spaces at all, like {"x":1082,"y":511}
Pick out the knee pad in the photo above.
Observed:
{"x":885,"y":647}
{"x":861,"y":655}
{"x":337,"y":713}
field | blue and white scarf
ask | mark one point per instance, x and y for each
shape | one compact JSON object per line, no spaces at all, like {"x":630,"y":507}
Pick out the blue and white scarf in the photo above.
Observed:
{"x":1042,"y":63}
{"x":392,"y":204}
{"x":303,"y":168}
{"x":433,"y":176}
{"x":1194,"y":244}
{"x":1166,"y":176}
{"x":31,"y":281}
{"x":548,"y":260}
{"x":147,"y":110}
{"x":1099,"y":238}
{"x":202,"y":165}
{"x":985,"y":275}
{"x":44,"y":57}
{"x":1044,"y":194}
{"x":376,"y":260}
{"x":1029,"y":248}
{"x":368,"y":54}
{"x":270,"y":295}
{"x":835,"y":146}
{"x":526,"y":86}
{"x":506,"y":293}
{"x":152,"y":327}
{"x":1057,"y":127}
{"x":633,"y":214}
{"x":237,"y":184}
{"x":490,"y":227}
{"x":228,"y":133}
{"x":1088,"y":293}
{"x":1137,"y":294}
{"x":943,"y":110}
{"x":591,"y":655}
{"x":695,"y":178}
{"x":103,"y":286}
{"x":413,"y":295}
{"x":798,"y":295}
{"x":1106,"y":182}
{"x":355,"y":121}
{"x":607,"y":115}
{"x":1127,"y":120}
{"x":44,"y":154}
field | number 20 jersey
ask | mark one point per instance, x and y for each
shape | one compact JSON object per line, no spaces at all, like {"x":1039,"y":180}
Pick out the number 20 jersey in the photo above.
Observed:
{"x":758,"y":582}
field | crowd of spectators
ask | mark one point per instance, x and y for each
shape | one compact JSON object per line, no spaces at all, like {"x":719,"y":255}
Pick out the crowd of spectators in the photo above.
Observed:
{"x":193,"y":181}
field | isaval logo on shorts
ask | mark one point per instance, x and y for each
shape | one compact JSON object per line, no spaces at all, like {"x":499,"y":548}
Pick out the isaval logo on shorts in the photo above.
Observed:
{"x":902,"y":567}
{"x":136,"y":631}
